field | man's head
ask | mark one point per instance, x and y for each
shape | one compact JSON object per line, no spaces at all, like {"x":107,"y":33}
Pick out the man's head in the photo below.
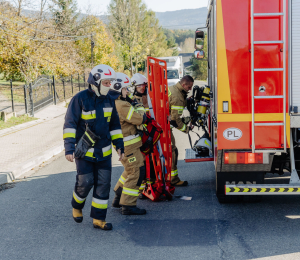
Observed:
{"x":187,"y":82}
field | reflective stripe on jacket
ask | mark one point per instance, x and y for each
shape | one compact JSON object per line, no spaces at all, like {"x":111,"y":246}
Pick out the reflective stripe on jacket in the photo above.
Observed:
{"x":177,"y":103}
{"x":101,"y":116}
{"x":130,"y":118}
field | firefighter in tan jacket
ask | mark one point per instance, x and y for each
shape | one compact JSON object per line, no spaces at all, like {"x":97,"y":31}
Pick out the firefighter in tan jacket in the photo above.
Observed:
{"x":140,"y":82}
{"x":177,"y":102}
{"x":127,"y":187}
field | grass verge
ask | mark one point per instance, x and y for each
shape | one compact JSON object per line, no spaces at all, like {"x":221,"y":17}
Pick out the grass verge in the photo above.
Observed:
{"x":13,"y":121}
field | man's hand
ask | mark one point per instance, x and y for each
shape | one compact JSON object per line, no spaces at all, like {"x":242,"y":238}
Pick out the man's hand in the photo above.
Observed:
{"x":191,"y":126}
{"x":169,"y":118}
{"x":70,"y":157}
{"x":120,"y":155}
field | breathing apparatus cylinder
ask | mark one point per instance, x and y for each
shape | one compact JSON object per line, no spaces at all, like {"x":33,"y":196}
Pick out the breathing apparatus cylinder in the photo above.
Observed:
{"x":204,"y":101}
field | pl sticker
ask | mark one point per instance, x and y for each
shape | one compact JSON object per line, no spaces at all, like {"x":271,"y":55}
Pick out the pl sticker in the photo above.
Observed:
{"x":232,"y":134}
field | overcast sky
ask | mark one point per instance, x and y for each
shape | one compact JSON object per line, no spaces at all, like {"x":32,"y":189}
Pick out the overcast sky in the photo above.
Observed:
{"x":100,"y":6}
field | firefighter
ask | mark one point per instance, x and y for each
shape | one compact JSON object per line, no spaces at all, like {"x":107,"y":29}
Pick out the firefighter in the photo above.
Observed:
{"x":127,"y":187}
{"x":177,"y":102}
{"x":91,"y":124}
{"x":140,"y":84}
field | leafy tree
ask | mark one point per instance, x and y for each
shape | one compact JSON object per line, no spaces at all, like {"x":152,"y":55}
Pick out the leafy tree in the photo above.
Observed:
{"x":104,"y":47}
{"x":137,"y":32}
{"x":65,"y":15}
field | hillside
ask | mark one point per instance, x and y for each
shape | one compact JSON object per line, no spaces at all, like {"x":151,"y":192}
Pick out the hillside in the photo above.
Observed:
{"x":183,"y":19}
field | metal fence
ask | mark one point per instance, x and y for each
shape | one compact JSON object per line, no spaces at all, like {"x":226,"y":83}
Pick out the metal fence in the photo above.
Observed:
{"x":44,"y":91}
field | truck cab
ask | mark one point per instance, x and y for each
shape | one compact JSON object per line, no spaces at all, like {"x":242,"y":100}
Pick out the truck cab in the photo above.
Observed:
{"x":174,"y":69}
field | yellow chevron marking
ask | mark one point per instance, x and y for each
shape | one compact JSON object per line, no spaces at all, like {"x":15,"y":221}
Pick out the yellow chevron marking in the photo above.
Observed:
{"x":281,"y":190}
{"x":236,"y":189}
{"x":272,"y":190}
{"x":263,"y":190}
{"x":246,"y":190}
{"x":290,"y":190}
{"x":298,"y":190}
{"x":228,"y":190}
{"x":254,"y":190}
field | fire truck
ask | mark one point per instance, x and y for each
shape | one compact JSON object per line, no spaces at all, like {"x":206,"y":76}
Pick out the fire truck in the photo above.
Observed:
{"x":253,"y":61}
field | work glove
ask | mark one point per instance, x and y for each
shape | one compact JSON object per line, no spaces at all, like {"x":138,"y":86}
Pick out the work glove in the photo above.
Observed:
{"x":86,"y":142}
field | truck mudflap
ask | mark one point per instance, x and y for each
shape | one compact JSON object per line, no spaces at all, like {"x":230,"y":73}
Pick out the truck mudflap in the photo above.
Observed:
{"x":262,"y":189}
{"x":192,"y":156}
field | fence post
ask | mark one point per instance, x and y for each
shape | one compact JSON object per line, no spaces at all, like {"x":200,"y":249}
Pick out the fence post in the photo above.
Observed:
{"x":72,"y":84}
{"x":78,"y":82}
{"x":12,"y":97}
{"x":31,"y":99}
{"x":25,"y":99}
{"x":84,"y":80}
{"x":54,"y":90}
{"x":63,"y":81}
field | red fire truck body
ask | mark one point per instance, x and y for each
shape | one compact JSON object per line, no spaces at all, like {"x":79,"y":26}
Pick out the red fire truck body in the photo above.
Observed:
{"x":252,"y":72}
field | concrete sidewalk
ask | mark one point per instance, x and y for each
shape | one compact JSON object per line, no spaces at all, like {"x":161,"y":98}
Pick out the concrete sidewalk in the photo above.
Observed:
{"x":28,"y":145}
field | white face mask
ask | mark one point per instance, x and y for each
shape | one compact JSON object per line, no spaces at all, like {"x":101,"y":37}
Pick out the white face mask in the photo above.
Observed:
{"x":104,"y":90}
{"x":95,"y":90}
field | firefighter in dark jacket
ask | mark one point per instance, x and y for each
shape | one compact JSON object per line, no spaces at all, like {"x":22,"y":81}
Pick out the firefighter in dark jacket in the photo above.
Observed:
{"x":127,"y":187}
{"x":177,"y":103}
{"x":91,"y":124}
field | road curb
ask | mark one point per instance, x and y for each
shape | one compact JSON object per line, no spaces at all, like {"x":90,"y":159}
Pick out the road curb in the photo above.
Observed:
{"x":23,"y":168}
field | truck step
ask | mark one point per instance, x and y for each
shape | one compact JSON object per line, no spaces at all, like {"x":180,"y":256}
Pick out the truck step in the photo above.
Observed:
{"x":192,"y":156}
{"x":262,"y":189}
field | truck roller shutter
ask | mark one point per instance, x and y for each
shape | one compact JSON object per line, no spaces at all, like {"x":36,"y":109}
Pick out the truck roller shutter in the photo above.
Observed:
{"x":296,"y":54}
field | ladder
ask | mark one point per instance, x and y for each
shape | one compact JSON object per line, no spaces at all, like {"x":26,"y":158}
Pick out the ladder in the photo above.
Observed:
{"x":253,"y":70}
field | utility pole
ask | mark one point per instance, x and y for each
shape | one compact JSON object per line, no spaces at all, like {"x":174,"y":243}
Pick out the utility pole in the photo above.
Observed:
{"x":92,"y":50}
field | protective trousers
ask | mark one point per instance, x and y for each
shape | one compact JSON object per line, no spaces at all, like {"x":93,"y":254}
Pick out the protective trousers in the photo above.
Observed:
{"x":131,"y":179}
{"x":97,"y":175}
{"x":174,"y":170}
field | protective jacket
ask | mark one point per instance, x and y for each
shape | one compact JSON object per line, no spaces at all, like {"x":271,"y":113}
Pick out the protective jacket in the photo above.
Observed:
{"x":130,"y":118}
{"x":177,"y":103}
{"x":141,"y":98}
{"x":101,"y":116}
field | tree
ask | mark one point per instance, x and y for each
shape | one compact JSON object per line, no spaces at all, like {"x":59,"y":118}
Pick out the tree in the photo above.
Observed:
{"x":104,"y":47}
{"x":65,"y":15}
{"x":137,"y":32}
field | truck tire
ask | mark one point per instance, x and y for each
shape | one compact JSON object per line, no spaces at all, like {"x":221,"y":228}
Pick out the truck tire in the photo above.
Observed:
{"x":237,"y":177}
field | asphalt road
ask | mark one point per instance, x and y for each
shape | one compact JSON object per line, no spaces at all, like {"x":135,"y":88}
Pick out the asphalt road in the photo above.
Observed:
{"x":36,"y":221}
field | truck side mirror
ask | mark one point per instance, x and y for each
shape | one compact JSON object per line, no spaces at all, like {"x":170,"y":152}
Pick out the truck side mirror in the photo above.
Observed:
{"x":199,"y":54}
{"x":199,"y":40}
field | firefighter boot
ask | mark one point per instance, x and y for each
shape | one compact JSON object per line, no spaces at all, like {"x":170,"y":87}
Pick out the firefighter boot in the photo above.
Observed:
{"x":133,"y":210}
{"x":77,"y":215}
{"x":181,"y":183}
{"x":142,"y":196}
{"x":116,"y":201}
{"x":102,"y":224}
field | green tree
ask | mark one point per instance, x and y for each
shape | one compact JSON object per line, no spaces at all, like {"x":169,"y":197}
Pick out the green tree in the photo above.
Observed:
{"x":137,"y":32}
{"x":65,"y":15}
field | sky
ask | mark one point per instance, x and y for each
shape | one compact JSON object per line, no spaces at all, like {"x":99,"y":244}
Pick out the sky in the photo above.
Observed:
{"x":100,"y":6}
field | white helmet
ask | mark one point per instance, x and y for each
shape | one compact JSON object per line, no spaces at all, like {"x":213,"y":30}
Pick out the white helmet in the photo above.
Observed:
{"x":138,"y":79}
{"x":121,"y":81}
{"x":101,"y":72}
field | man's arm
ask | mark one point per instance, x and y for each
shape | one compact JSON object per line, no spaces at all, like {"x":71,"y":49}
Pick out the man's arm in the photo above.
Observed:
{"x":176,"y":113}
{"x":70,"y":126}
{"x":116,"y":131}
{"x":133,"y":116}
